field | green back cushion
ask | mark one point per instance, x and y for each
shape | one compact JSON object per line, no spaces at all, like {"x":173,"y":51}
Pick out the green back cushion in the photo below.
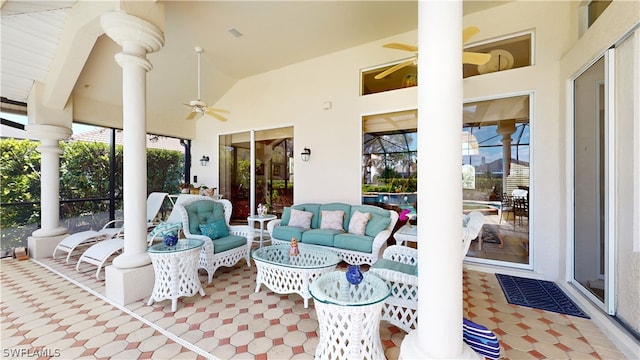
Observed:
{"x":314,"y":208}
{"x":337,"y":206}
{"x":376,"y":224}
{"x":380,"y":218}
{"x":203,"y":212}
{"x":215,"y":230}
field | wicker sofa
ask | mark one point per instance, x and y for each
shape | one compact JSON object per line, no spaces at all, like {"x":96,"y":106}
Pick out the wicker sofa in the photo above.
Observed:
{"x":361,"y":245}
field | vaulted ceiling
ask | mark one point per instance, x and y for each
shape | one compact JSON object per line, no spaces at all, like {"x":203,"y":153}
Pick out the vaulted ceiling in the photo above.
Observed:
{"x":274,"y":34}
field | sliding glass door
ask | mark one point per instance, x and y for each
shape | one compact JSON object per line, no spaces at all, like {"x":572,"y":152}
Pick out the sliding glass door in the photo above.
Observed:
{"x":256,"y":167}
{"x":592,"y":161}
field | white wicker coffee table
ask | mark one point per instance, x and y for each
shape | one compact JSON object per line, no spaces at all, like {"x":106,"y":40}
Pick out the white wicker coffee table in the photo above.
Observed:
{"x":176,"y":269}
{"x":349,"y":316}
{"x":286,"y":274}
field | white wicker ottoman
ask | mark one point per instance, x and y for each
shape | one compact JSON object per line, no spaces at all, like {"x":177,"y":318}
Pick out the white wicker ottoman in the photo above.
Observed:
{"x":176,"y":269}
{"x":349,"y":316}
{"x":286,"y":274}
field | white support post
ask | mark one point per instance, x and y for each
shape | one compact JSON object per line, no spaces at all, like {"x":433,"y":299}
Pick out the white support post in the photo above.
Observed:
{"x":439,"y":332}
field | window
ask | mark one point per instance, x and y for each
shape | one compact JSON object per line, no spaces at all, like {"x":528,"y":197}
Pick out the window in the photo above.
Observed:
{"x":402,"y":78}
{"x":507,"y":53}
{"x":389,"y":158}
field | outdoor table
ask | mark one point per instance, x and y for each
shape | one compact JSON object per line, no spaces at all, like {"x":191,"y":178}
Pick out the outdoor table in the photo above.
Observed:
{"x":349,"y":316}
{"x":406,"y":233}
{"x":285,"y":274}
{"x":261,"y":219}
{"x":176,"y":269}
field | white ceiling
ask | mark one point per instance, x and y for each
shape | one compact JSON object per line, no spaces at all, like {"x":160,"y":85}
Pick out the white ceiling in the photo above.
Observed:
{"x":275,"y":34}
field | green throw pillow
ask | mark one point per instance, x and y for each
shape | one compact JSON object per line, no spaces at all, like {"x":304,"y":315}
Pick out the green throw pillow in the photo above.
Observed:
{"x":164,"y":228}
{"x":215,"y":230}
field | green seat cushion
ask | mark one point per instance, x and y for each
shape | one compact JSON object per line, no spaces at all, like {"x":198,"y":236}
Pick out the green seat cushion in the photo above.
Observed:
{"x":203,"y":212}
{"x":361,"y":243}
{"x":287,"y":232}
{"x":228,"y":243}
{"x":320,"y":236}
{"x":215,"y":230}
{"x":395,"y":265}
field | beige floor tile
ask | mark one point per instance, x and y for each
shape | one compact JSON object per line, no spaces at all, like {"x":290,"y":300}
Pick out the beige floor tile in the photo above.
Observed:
{"x":168,"y":351}
{"x":550,"y":351}
{"x":109,"y":348}
{"x":542,"y":336}
{"x":138,"y":334}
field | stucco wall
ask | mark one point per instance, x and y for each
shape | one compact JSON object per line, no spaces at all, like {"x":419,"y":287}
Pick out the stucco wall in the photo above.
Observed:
{"x":294,"y":96}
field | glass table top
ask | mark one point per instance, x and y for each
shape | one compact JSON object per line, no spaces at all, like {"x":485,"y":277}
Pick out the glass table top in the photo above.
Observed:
{"x":182,"y":245}
{"x":310,"y":257}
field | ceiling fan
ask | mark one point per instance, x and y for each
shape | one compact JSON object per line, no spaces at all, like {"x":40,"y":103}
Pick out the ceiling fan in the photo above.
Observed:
{"x":467,"y":57}
{"x":199,"y":107}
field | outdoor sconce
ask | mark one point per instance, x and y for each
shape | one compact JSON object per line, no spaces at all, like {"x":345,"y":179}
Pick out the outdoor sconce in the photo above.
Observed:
{"x":306,"y":154}
{"x":204,"y":160}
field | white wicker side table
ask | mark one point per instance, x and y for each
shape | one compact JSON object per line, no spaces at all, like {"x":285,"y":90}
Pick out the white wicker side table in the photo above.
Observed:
{"x":349,"y":316}
{"x":286,"y":274}
{"x":176,"y":269}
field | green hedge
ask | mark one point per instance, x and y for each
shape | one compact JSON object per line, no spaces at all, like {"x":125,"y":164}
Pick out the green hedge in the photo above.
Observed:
{"x":84,"y":174}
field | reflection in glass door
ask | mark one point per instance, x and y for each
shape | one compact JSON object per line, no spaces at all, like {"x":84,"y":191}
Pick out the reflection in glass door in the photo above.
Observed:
{"x":264,"y":178}
{"x":496,"y":167}
{"x":591,"y":204}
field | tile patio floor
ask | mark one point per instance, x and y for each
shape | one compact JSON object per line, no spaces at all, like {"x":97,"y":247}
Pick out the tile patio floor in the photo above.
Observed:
{"x":55,"y":310}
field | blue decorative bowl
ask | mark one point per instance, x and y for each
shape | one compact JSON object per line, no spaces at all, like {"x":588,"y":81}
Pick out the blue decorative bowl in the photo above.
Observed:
{"x":170,"y":240}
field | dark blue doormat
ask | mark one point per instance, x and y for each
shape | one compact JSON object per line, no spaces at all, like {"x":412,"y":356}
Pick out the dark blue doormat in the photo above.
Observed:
{"x":538,"y":294}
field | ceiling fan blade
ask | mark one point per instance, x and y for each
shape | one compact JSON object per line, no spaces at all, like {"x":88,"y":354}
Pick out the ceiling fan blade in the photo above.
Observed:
{"x":399,"y":46}
{"x":192,"y":115}
{"x":475,"y":58}
{"x":215,"y":115}
{"x":468,"y":33}
{"x":395,"y":68}
{"x":219,"y":110}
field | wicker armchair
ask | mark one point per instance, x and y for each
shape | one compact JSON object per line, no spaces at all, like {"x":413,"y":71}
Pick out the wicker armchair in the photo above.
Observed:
{"x":237,"y":244}
{"x":399,"y":268}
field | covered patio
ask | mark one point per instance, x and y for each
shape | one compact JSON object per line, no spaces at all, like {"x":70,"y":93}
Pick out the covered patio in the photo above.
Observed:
{"x":47,"y":303}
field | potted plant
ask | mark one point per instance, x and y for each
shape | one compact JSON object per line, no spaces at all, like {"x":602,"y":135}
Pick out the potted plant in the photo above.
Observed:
{"x":184,"y":188}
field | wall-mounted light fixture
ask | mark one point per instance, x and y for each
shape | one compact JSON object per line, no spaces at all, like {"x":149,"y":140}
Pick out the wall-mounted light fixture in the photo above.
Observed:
{"x":306,"y":154}
{"x":204,"y":160}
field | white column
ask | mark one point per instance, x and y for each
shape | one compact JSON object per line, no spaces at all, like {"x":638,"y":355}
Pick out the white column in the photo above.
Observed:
{"x":439,"y":332}
{"x":137,"y":38}
{"x":506,"y":129}
{"x":49,"y":136}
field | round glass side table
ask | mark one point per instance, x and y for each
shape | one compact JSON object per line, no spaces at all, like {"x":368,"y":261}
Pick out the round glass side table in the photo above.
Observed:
{"x":176,"y":269}
{"x":355,"y":310}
